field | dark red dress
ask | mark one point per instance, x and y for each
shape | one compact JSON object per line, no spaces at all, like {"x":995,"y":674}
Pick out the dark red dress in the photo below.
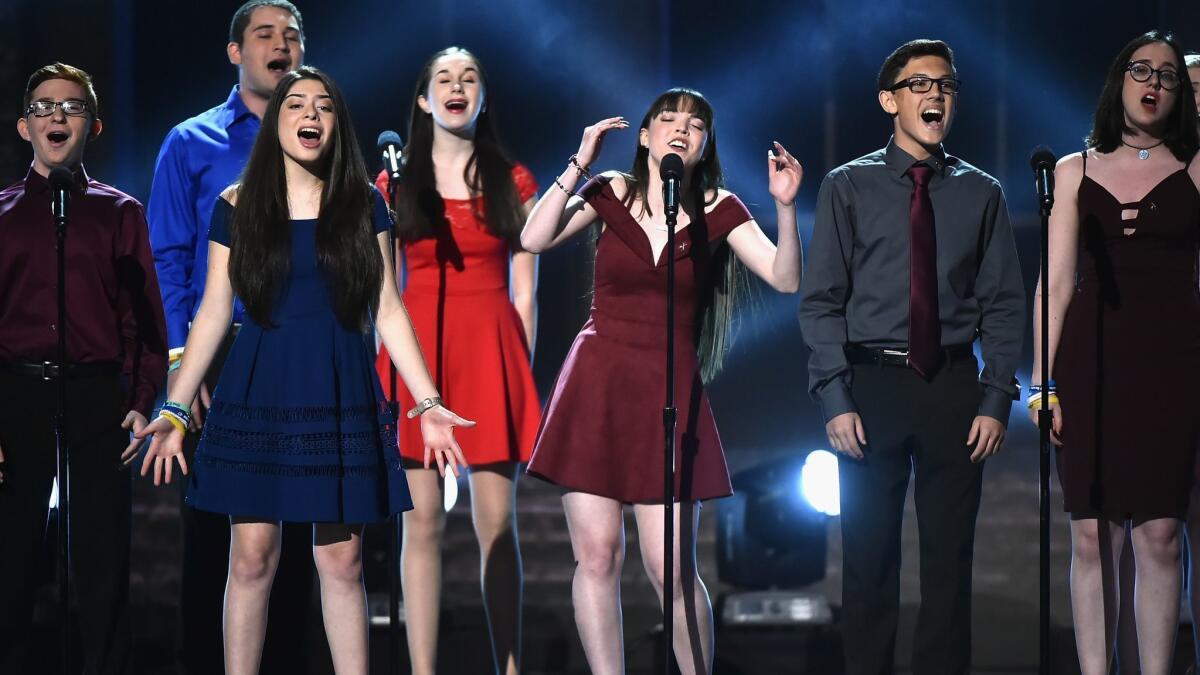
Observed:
{"x":602,"y":429}
{"x":1128,"y":361}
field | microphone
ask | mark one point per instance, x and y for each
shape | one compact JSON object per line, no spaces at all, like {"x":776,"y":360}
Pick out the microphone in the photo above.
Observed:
{"x":671,"y":172}
{"x":1043,"y":162}
{"x":60,"y":192}
{"x":392,"y":149}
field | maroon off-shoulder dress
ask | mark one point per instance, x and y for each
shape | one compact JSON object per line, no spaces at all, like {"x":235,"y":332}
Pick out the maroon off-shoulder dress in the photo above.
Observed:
{"x":602,"y":430}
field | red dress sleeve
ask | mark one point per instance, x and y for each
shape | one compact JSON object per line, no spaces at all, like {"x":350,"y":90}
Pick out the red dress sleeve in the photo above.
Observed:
{"x":526,"y":184}
{"x":381,"y":183}
{"x":727,"y":215}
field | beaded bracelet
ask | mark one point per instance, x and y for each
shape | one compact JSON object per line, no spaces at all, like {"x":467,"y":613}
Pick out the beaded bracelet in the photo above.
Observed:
{"x":574,"y":161}
{"x":560,"y":187}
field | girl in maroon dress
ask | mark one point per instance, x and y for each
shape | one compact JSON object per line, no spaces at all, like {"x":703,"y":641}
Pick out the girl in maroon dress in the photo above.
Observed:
{"x":1124,"y":337}
{"x":459,"y":208}
{"x":601,"y":438}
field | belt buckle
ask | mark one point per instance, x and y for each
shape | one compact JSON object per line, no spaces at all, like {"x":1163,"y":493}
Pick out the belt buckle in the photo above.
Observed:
{"x":50,"y":370}
{"x":896,"y":352}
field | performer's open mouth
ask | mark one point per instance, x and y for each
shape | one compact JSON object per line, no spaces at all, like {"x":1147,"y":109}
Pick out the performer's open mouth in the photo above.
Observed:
{"x":279,"y":66}
{"x":456,"y":105}
{"x":932,"y":117}
{"x":57,"y":138}
{"x":1150,"y":102}
{"x":310,"y":137}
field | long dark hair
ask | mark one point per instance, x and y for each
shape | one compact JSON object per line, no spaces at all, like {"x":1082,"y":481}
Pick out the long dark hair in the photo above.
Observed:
{"x":1180,"y":134}
{"x":489,"y":171}
{"x":715,"y":320}
{"x":347,"y":251}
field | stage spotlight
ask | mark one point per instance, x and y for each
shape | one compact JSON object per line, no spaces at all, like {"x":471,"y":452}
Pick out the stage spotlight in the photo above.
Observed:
{"x":819,"y":482}
{"x":771,"y":542}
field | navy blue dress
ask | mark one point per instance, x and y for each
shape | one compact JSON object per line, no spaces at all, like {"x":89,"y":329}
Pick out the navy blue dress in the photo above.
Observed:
{"x":299,"y":428}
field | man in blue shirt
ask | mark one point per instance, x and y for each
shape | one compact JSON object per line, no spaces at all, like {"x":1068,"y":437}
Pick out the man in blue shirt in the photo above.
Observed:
{"x":200,"y":157}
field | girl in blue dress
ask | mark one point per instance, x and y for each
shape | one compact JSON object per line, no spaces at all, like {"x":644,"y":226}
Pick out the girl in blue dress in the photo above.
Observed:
{"x":299,"y":429}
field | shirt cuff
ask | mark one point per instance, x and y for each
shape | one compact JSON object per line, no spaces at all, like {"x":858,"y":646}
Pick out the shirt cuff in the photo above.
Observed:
{"x":996,"y":404}
{"x":835,"y":399}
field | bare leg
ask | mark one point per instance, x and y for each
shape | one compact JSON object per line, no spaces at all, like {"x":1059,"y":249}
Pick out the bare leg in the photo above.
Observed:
{"x":1095,"y":552}
{"x":1156,"y":596}
{"x":337,"y":552}
{"x":1128,"y":661}
{"x":493,"y":502}
{"x":421,"y":568}
{"x":253,"y":557}
{"x":692,"y":615}
{"x":598,"y":540}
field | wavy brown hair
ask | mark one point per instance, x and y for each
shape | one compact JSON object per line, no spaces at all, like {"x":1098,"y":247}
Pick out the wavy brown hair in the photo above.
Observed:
{"x":260,"y":232}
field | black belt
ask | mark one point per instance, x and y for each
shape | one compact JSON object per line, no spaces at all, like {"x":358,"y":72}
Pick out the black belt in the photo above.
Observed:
{"x":48,"y":370}
{"x":885,"y":356}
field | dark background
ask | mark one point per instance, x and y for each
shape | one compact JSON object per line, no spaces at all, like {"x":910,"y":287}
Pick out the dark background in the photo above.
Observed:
{"x":801,"y":72}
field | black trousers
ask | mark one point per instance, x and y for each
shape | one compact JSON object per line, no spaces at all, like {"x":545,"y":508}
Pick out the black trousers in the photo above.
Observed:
{"x":100,"y":516}
{"x":919,"y":427}
{"x":206,"y":568}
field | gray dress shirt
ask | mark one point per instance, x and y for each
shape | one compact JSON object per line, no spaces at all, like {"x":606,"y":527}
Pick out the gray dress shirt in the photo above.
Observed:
{"x":855,"y":287}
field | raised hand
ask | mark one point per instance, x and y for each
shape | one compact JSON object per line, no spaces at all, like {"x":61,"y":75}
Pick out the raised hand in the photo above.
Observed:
{"x":166,"y":445}
{"x":784,"y":174}
{"x":593,"y":139}
{"x":437,"y":430}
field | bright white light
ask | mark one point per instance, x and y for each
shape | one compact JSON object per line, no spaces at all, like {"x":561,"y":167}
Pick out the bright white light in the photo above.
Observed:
{"x":54,"y":495}
{"x":450,"y":494}
{"x":819,"y":482}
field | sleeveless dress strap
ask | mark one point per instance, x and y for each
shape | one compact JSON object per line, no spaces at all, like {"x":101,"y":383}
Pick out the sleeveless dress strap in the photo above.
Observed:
{"x":1084,"y":155}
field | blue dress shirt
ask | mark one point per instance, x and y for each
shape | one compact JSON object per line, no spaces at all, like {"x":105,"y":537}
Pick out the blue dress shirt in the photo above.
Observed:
{"x":199,"y":158}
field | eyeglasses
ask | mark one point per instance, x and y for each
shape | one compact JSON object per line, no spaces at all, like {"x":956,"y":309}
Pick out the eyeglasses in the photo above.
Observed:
{"x":72,"y":106}
{"x":1141,"y":72}
{"x":921,"y":85}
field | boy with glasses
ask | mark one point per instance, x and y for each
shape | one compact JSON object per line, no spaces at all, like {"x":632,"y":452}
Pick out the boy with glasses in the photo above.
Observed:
{"x":116,"y":363}
{"x":912,"y":259}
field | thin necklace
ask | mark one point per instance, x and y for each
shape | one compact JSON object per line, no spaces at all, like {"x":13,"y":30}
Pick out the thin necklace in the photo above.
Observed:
{"x":1144,"y":153}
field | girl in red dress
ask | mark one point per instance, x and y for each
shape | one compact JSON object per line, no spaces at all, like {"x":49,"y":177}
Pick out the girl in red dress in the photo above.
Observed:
{"x":459,"y":210}
{"x":601,"y":438}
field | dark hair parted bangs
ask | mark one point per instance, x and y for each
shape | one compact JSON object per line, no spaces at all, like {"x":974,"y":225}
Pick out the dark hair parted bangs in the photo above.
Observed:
{"x":715,"y":320}
{"x":913,"y":49}
{"x":420,"y":212}
{"x":347,"y":249}
{"x":1179,"y":130}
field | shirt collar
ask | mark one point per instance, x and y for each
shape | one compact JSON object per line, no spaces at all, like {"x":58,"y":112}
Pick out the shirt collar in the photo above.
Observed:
{"x":234,"y":110}
{"x":36,"y":182}
{"x":899,"y":162}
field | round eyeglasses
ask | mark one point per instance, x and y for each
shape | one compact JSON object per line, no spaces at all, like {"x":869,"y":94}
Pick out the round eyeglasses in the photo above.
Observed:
{"x":1142,"y":72}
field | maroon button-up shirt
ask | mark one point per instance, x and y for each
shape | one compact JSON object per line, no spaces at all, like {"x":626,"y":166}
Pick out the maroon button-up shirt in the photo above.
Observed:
{"x":114,"y":310}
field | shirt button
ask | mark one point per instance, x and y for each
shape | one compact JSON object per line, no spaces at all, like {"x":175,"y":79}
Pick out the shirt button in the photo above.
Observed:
{"x":53,"y":327}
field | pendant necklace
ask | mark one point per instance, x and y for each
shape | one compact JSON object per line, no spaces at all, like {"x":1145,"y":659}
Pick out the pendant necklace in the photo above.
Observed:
{"x":1144,"y":153}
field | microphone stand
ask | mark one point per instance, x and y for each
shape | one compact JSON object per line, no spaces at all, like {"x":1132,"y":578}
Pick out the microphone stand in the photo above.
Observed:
{"x":1045,"y":423}
{"x":62,"y":467}
{"x":397,"y":529}
{"x":670,"y":414}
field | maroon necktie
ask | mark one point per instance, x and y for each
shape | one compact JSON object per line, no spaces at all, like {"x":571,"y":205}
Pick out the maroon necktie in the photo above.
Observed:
{"x":924,"y":325}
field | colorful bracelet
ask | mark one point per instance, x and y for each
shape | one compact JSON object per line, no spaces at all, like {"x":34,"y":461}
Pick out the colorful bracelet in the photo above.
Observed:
{"x":1035,"y":400}
{"x":424,"y":406}
{"x":178,"y":410}
{"x":175,"y":421}
{"x":175,"y":364}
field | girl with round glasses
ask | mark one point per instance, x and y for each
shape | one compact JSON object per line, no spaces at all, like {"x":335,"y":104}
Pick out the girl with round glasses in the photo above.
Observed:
{"x":1124,"y":336}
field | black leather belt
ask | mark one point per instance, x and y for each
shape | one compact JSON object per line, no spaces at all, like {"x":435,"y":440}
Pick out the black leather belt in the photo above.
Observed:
{"x":884,"y":356}
{"x":48,"y":370}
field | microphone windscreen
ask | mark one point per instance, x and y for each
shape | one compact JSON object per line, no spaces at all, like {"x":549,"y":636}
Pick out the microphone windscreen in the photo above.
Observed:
{"x":61,"y":178}
{"x":387,"y":138}
{"x":671,"y":167}
{"x":1042,"y":157}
